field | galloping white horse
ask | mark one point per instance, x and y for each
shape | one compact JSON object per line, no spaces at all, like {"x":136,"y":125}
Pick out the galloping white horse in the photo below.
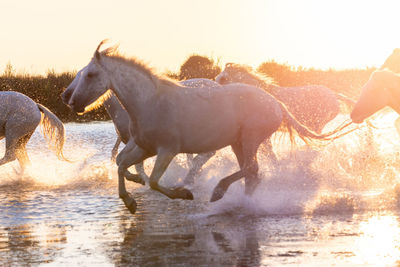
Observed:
{"x":121,"y":121}
{"x":312,"y":105}
{"x":168,"y":118}
{"x":381,"y":90}
{"x":19,"y":117}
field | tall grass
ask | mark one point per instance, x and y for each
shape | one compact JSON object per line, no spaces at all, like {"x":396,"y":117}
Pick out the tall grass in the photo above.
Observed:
{"x":348,"y":81}
{"x":46,"y":90}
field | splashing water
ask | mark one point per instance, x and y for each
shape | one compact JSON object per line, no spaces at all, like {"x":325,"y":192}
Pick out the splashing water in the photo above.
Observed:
{"x":72,"y":210}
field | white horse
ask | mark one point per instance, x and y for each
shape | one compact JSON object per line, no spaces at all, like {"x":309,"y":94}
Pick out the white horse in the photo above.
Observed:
{"x":168,"y":118}
{"x":312,"y":105}
{"x":19,"y":117}
{"x":381,"y":90}
{"x":120,"y":119}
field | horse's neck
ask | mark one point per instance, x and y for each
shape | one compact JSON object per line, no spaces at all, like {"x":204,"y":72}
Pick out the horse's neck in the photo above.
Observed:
{"x":133,"y":88}
{"x":113,"y":106}
{"x":395,"y":95}
{"x":270,"y":88}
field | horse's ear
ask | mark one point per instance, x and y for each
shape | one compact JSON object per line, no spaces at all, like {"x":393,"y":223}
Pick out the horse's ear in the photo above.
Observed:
{"x":97,"y":55}
{"x":229,"y":64}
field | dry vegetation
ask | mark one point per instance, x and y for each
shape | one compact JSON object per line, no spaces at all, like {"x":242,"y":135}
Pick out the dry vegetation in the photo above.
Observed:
{"x":46,"y":89}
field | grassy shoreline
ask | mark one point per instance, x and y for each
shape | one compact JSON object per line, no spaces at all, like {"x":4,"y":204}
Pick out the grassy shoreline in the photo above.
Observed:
{"x":46,"y":89}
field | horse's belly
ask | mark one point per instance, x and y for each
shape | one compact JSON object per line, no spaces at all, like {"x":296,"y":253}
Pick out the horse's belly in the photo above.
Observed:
{"x":209,"y":137}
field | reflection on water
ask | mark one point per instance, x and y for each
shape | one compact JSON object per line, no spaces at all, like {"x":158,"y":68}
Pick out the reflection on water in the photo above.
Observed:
{"x":315,"y":208}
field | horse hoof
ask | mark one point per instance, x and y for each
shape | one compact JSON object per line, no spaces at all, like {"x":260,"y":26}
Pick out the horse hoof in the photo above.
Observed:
{"x":183,"y":193}
{"x":130,"y":203}
{"x":134,"y":178}
{"x":251,"y":186}
{"x":218,"y":193}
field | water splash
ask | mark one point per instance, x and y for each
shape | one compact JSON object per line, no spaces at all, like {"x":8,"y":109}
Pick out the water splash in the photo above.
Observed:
{"x":304,"y":180}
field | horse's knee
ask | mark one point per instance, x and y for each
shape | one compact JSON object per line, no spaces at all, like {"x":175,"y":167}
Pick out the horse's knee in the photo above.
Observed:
{"x":121,"y":170}
{"x":153,"y":184}
{"x":252,"y":169}
{"x":118,"y":159}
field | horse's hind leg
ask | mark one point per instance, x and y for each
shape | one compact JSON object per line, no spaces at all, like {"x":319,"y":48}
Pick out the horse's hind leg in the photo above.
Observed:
{"x":15,"y":149}
{"x":223,"y":185}
{"x":250,"y":164}
{"x":197,"y":164}
{"x":20,"y":152}
{"x":164,"y":157}
{"x":267,"y":145}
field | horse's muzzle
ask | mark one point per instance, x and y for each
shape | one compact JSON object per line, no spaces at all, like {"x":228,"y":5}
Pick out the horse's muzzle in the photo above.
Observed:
{"x":77,"y":109}
{"x":356,"y":118}
{"x":65,"y":96}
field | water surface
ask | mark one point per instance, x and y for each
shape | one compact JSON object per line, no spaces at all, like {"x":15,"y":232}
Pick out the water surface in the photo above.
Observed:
{"x":336,"y":205}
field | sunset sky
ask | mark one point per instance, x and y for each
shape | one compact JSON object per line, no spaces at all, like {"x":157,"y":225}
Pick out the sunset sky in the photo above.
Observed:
{"x":40,"y":35}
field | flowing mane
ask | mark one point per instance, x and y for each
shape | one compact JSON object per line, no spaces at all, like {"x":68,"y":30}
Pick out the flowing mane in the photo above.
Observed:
{"x":158,"y":79}
{"x":263,"y":80}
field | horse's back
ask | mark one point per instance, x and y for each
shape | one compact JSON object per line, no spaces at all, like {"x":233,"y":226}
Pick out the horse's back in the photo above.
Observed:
{"x":313,"y":105}
{"x":18,"y":110}
{"x":224,"y":113}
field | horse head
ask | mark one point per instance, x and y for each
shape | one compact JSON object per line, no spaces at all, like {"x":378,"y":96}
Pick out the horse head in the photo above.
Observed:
{"x":229,"y":75}
{"x":90,"y":83}
{"x":66,"y":95}
{"x":375,"y":95}
{"x":237,"y":73}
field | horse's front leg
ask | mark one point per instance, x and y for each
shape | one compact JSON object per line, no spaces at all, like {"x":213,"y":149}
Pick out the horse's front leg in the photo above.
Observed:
{"x":126,"y":159}
{"x":114,"y":151}
{"x":164,"y":158}
{"x":127,"y":150}
{"x":140,"y":171}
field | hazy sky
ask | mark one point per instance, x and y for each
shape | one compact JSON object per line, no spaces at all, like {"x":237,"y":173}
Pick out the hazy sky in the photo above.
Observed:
{"x":48,"y":34}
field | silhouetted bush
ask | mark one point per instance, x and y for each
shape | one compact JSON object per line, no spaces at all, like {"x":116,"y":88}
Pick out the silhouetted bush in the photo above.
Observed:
{"x":348,"y":82}
{"x":199,"y":67}
{"x":47,"y":90}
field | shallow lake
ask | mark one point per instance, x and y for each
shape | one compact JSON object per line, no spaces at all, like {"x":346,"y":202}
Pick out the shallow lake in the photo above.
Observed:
{"x":330,"y":205}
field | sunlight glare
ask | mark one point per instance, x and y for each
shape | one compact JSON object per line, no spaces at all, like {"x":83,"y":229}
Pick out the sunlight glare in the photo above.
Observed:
{"x":378,"y":244}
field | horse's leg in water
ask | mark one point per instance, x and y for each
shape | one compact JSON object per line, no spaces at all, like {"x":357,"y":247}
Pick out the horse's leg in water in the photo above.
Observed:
{"x":20,"y":151}
{"x":267,"y":144}
{"x":164,"y":157}
{"x":189,"y":160}
{"x":15,"y":147}
{"x":114,"y":151}
{"x":137,"y":178}
{"x":197,"y":164}
{"x":250,"y":165}
{"x":140,"y":170}
{"x":246,"y":154}
{"x":223,"y":185}
{"x":125,"y":159}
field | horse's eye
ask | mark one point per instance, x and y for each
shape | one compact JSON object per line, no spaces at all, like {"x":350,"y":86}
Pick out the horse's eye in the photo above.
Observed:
{"x":91,"y":74}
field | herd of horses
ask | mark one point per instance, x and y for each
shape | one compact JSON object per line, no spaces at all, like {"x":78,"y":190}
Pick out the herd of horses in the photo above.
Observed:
{"x":156,"y":116}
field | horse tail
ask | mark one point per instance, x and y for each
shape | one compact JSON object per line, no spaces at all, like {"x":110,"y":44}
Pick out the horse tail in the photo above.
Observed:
{"x":290,"y":123}
{"x":350,"y":103}
{"x":53,"y":130}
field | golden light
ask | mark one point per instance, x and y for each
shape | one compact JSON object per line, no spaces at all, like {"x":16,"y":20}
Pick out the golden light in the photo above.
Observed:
{"x":378,"y":244}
